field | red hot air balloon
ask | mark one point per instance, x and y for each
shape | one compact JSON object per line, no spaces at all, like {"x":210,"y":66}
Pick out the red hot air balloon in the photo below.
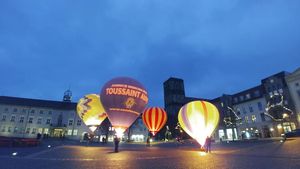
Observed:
{"x":123,"y":99}
{"x":154,"y":118}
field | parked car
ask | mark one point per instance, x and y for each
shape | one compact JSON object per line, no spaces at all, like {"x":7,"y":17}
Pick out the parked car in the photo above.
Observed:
{"x":294,"y":133}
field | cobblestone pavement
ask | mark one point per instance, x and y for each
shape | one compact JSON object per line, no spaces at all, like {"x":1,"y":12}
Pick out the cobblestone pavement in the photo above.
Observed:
{"x":240,"y":155}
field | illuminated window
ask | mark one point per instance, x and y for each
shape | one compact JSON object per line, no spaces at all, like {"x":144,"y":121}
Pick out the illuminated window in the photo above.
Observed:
{"x":246,"y":119}
{"x":46,"y":130}
{"x":69,"y":132}
{"x":75,"y":132}
{"x":253,"y":117}
{"x":40,"y":130}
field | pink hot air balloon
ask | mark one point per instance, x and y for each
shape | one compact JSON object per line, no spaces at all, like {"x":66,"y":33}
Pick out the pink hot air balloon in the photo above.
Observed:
{"x":123,"y":99}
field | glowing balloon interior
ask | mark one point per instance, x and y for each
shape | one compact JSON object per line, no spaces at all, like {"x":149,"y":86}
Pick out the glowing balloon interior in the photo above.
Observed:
{"x":91,"y":111}
{"x":123,"y":99}
{"x":199,"y":119}
{"x":154,"y":118}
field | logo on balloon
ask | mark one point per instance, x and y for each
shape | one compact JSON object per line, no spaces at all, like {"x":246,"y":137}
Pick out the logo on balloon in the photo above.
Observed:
{"x":123,"y":99}
{"x":129,"y":103}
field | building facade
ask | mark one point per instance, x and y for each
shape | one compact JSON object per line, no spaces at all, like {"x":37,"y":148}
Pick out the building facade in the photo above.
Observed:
{"x":25,"y":118}
{"x":248,"y":110}
{"x":293,"y":82}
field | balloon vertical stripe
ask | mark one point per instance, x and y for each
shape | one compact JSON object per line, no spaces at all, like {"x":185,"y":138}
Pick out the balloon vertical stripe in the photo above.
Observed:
{"x":154,"y":119}
{"x":199,"y":119}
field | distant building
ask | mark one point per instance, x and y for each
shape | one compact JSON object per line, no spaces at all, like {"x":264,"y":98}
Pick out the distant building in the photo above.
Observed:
{"x":249,"y":105}
{"x":23,"y":117}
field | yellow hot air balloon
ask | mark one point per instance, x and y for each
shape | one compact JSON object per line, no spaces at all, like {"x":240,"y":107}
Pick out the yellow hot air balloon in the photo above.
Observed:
{"x":91,"y":111}
{"x":199,"y":119}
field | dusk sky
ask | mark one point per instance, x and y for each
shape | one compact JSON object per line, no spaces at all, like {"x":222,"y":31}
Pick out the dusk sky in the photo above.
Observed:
{"x":216,"y":46}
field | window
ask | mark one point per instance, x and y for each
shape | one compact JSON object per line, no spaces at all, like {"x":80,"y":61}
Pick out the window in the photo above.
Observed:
{"x":30,"y":119}
{"x":48,"y":121}
{"x":69,"y":132}
{"x":75,"y":132}
{"x":238,"y":111}
{"x":244,"y":110}
{"x":259,"y":105}
{"x":39,"y":121}
{"x":3,"y":117}
{"x":297,"y":84}
{"x":248,"y":96}
{"x":33,"y":131}
{"x":21,"y":119}
{"x":9,"y":129}
{"x":235,"y":100}
{"x":13,"y":118}
{"x":50,"y":112}
{"x":70,"y":122}
{"x":262,"y":116}
{"x":3,"y":129}
{"x":41,"y":112}
{"x":46,"y":130}
{"x":253,"y":118}
{"x":251,"y":109}
{"x":242,"y":98}
{"x":256,"y":93}
{"x":28,"y":130}
{"x":15,"y":109}
{"x":78,"y":122}
{"x":298,"y":91}
{"x":40,"y":130}
{"x":6,"y":109}
{"x":15,"y":129}
{"x":246,"y":119}
{"x":24,"y":111}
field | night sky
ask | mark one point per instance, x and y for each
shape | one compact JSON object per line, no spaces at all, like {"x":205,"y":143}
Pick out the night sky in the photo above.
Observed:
{"x":216,"y":46}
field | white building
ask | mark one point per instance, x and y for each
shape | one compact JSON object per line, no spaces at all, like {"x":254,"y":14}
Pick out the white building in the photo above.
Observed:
{"x":25,"y":118}
{"x":254,"y":122}
{"x":293,"y":82}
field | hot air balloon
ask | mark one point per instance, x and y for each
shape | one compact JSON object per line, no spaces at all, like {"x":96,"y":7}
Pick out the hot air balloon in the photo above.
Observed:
{"x":91,"y":111}
{"x":199,"y":119}
{"x":154,"y":118}
{"x":123,"y":99}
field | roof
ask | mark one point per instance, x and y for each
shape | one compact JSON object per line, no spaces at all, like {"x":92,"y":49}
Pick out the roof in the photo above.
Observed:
{"x":37,"y":103}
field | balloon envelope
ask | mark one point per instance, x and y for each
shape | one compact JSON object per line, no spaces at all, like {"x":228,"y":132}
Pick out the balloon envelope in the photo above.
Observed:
{"x":123,"y":99}
{"x":199,"y":119}
{"x":154,"y":118}
{"x":91,"y":111}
